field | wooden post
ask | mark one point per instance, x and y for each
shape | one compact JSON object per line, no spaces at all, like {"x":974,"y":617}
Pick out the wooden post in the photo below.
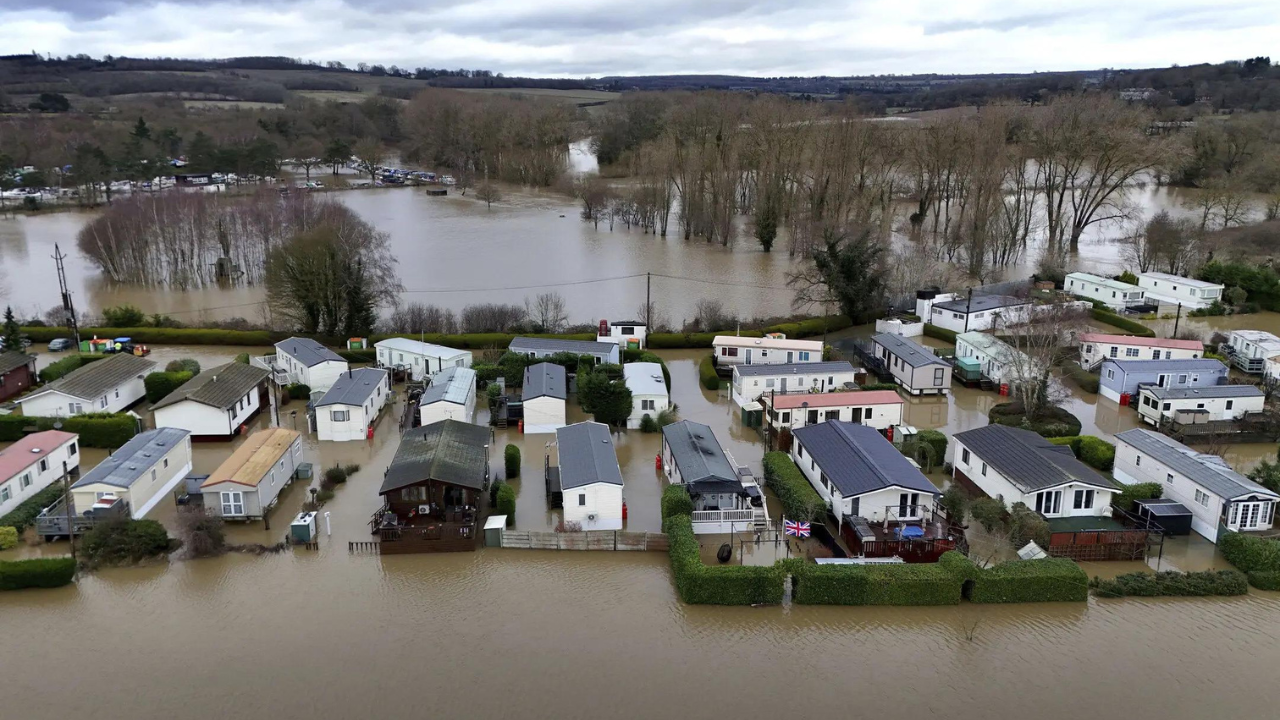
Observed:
{"x":71,"y":530}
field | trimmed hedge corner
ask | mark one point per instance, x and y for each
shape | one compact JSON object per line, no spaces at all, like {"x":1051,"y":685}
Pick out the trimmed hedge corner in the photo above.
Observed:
{"x":940,"y":333}
{"x":1018,"y":581}
{"x":799,"y":500}
{"x":1171,"y":583}
{"x":1106,"y":316}
{"x":160,"y":384}
{"x":36,"y":573}
{"x":1265,"y":579}
{"x":507,"y":502}
{"x":676,"y":501}
{"x":511,"y":461}
{"x":707,"y":374}
{"x":1130,"y":494}
{"x":1092,"y":451}
{"x":98,"y":430}
{"x":700,"y":584}
{"x":1258,"y":558}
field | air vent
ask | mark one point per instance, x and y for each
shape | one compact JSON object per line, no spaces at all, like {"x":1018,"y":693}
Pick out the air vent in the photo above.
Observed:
{"x":36,"y":451}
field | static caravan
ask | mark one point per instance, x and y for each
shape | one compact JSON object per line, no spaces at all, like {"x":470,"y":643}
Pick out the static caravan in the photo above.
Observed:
{"x":1121,"y":378}
{"x":141,"y":473}
{"x":1096,"y":347}
{"x":450,"y":396}
{"x":648,"y":391}
{"x":1176,"y":290}
{"x":34,"y":463}
{"x":726,"y":497}
{"x":1190,"y":406}
{"x":979,"y":312}
{"x":104,"y":386}
{"x":306,"y":362}
{"x":245,"y":486}
{"x":730,"y":350}
{"x":1112,"y":293}
{"x":1000,"y":361}
{"x":880,"y":409}
{"x":1249,"y":350}
{"x":751,"y":381}
{"x":17,"y":373}
{"x":588,"y":478}
{"x":218,"y":402}
{"x":543,"y":396}
{"x":912,"y":365}
{"x":419,"y":359}
{"x":629,"y":334}
{"x":351,"y":406}
{"x":546,"y":347}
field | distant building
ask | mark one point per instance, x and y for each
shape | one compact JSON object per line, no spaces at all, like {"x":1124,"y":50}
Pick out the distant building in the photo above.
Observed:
{"x":543,"y":396}
{"x":1176,"y":290}
{"x":880,"y":409}
{"x":751,"y":381}
{"x":648,"y":391}
{"x":1097,"y":347}
{"x":546,"y":347}
{"x":104,"y":386}
{"x":419,"y":359}
{"x":451,"y":396}
{"x":17,"y":373}
{"x":629,"y":334}
{"x":1114,"y":294}
{"x":730,"y":350}
{"x":1121,"y":378}
{"x":306,"y":362}
{"x":980,"y":312}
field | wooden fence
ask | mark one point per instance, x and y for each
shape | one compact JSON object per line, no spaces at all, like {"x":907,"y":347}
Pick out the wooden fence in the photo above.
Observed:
{"x":590,"y":540}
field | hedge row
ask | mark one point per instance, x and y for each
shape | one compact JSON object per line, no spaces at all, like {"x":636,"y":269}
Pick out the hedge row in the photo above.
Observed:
{"x":160,"y":384}
{"x":97,"y":430}
{"x":369,"y":356}
{"x":25,"y":513}
{"x":880,"y":386}
{"x":1259,"y":558}
{"x":799,"y":499}
{"x":676,"y":501}
{"x":939,"y":333}
{"x":905,"y":584}
{"x":1124,"y":323}
{"x":1092,"y":451}
{"x":507,"y":502}
{"x":1171,"y":583}
{"x":1017,"y":581}
{"x":707,"y":374}
{"x":71,"y":362}
{"x":700,"y":584}
{"x":36,"y":573}
{"x":799,"y":329}
{"x":1130,"y":494}
{"x":1265,"y":579}
{"x":164,"y":336}
{"x":8,"y":537}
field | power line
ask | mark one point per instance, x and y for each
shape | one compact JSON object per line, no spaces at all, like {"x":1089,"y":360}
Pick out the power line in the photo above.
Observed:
{"x":721,"y":282}
{"x":528,"y":287}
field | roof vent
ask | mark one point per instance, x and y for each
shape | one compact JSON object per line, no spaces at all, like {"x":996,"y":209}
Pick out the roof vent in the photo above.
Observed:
{"x":36,"y":451}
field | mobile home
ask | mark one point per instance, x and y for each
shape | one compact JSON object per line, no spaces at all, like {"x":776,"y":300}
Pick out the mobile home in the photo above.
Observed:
{"x":246,"y":485}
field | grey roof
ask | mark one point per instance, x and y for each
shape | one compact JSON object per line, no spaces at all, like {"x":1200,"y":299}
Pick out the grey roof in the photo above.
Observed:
{"x":308,"y":351}
{"x":453,"y":384}
{"x":555,"y":345}
{"x":1182,"y":365}
{"x":448,"y":451}
{"x":1210,"y":391}
{"x":134,"y":458}
{"x":911,"y":352}
{"x":99,"y":377}
{"x":702,"y":462}
{"x":544,"y":380}
{"x":353,"y":387}
{"x":981,"y":303}
{"x":587,"y":456}
{"x":829,"y":366}
{"x":1029,"y":461}
{"x":1208,"y":471}
{"x":220,"y":387}
{"x":858,"y":460}
{"x":13,"y":360}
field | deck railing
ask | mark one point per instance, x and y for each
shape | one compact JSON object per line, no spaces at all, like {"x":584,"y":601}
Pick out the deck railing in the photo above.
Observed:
{"x":713,"y":516}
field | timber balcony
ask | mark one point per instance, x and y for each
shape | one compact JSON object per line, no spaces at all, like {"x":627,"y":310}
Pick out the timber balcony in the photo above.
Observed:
{"x":1122,"y":536}
{"x":452,"y":530}
{"x":920,"y":540}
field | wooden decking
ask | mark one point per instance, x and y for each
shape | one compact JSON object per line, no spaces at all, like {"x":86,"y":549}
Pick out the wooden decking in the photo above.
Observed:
{"x":590,"y":540}
{"x":432,"y":538}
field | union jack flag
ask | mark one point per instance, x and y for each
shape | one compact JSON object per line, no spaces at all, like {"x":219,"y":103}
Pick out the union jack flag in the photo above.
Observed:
{"x":795,"y":528}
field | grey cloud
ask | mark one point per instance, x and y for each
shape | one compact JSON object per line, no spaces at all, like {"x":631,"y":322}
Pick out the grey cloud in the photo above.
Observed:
{"x":1016,"y":22}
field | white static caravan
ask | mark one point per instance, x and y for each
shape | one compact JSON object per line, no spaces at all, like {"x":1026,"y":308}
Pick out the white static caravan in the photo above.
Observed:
{"x":1000,"y":361}
{"x":34,"y":463}
{"x":726,"y":497}
{"x":419,"y":359}
{"x":215,"y":403}
{"x":305,"y":361}
{"x":912,"y":365}
{"x":979,"y":312}
{"x":352,"y":404}
{"x":535,"y":347}
{"x":107,"y":386}
{"x":750,"y":382}
{"x":1175,"y":290}
{"x":729,"y":350}
{"x":1216,"y":495}
{"x":543,"y":397}
{"x":590,"y":479}
{"x":1250,"y":350}
{"x":880,"y":409}
{"x":142,"y":472}
{"x":451,"y":396}
{"x":248,"y":482}
{"x":1112,"y":293}
{"x":648,"y":391}
{"x":1192,"y":405}
{"x":1097,"y":347}
{"x":627,"y":334}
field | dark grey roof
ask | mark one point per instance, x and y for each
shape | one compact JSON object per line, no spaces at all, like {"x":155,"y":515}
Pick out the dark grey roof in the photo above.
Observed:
{"x":353,"y":387}
{"x":1172,"y":365}
{"x":220,"y":387}
{"x":587,"y":455}
{"x":911,"y":352}
{"x":544,"y":380}
{"x":981,"y":303}
{"x":555,"y":345}
{"x":697,"y":454}
{"x":99,"y":377}
{"x":134,"y":458}
{"x":858,"y":460}
{"x":448,"y":451}
{"x":1208,"y":471}
{"x":1029,"y":461}
{"x":308,"y":351}
{"x":453,"y":384}
{"x":829,"y":366}
{"x":13,"y":360}
{"x":1210,"y":391}
{"x":637,"y":323}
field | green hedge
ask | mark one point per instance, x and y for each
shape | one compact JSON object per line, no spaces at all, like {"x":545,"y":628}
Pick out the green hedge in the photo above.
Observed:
{"x":1087,"y":381}
{"x":880,"y":386}
{"x":676,"y":501}
{"x":1092,"y":451}
{"x":699,"y":584}
{"x":936,"y":440}
{"x":25,"y":513}
{"x":906,"y":584}
{"x":1017,"y":581}
{"x":1129,"y":494}
{"x":507,"y":502}
{"x":368,"y":357}
{"x":164,"y":336}
{"x":940,"y":333}
{"x":8,"y":537}
{"x":1170,"y":583}
{"x":36,"y":573}
{"x":1056,"y":422}
{"x":511,"y":461}
{"x":1124,"y":323}
{"x":98,"y":430}
{"x":1265,"y":579}
{"x":60,"y":368}
{"x":707,"y":374}
{"x":1249,"y":553}
{"x":118,"y":542}
{"x":160,"y":384}
{"x":298,"y":391}
{"x":799,"y":500}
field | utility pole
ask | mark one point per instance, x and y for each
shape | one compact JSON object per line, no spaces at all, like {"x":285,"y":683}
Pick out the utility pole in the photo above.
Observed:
{"x":648,"y":300}
{"x":69,"y":308}
{"x":1177,"y":320}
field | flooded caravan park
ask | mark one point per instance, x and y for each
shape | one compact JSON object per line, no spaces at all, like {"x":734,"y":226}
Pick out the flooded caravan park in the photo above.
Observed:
{"x":327,"y":633}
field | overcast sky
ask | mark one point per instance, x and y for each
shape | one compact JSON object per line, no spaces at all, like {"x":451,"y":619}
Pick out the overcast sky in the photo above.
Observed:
{"x":575,"y":38}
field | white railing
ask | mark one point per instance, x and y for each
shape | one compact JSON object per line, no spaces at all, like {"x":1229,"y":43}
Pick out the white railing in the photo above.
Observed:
{"x":724,"y":516}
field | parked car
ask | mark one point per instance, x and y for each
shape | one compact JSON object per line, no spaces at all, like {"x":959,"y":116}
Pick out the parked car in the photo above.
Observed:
{"x":60,"y":344}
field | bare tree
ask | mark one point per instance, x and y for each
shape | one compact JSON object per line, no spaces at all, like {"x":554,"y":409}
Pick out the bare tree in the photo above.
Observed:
{"x":1036,"y":344}
{"x":711,"y":315}
{"x":547,"y":311}
{"x":307,"y":153}
{"x":488,"y":193}
{"x":370,"y":154}
{"x":653,"y":317}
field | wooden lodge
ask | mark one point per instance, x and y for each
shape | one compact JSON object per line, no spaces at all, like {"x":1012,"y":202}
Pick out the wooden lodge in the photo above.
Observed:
{"x":433,"y":491}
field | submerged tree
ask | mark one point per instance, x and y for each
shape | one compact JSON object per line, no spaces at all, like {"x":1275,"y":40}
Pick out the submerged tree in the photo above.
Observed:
{"x":846,"y":270}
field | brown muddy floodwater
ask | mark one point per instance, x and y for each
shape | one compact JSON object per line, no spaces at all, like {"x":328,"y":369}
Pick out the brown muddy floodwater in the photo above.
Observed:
{"x":509,"y":633}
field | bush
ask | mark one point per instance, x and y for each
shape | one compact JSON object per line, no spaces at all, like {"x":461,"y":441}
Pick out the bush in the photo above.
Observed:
{"x":955,"y":503}
{"x":907,"y":584}
{"x":511,"y":461}
{"x":1130,"y":494}
{"x":335,"y":475}
{"x":298,"y":391}
{"x":699,"y":584}
{"x":123,"y":541}
{"x":1170,"y":583}
{"x":1106,"y":316}
{"x":676,"y":501}
{"x":940,"y":333}
{"x":1128,"y":277}
{"x":799,"y":500}
{"x":1026,"y":525}
{"x":357,"y":357}
{"x":1250,"y":553}
{"x":99,"y":430}
{"x":37,"y":573}
{"x":507,"y":502}
{"x":186,"y":365}
{"x":988,"y":512}
{"x":123,"y":316}
{"x":1215,"y":309}
{"x":1085,"y":380}
{"x":202,"y":535}
{"x":60,"y":368}
{"x":668,"y":415}
{"x":1047,"y":580}
{"x":243,"y":358}
{"x":1265,"y":579}
{"x":648,"y":424}
{"x":325,"y":495}
{"x":25,"y":513}
{"x":936,"y":440}
{"x":160,"y":384}
{"x":1053,"y":422}
{"x":8,"y":537}
{"x":351,"y":469}
{"x":1097,"y":453}
{"x":707,"y":374}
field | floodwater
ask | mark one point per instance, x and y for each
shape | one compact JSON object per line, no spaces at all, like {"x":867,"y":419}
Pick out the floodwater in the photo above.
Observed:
{"x":306,"y":634}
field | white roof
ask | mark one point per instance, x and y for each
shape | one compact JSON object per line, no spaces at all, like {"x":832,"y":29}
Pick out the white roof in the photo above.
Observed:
{"x":767,"y":343}
{"x":1104,"y":282}
{"x":644,"y":378}
{"x":1189,"y":282}
{"x":1261,"y":337}
{"x":989,"y":345}
{"x":418,"y":348}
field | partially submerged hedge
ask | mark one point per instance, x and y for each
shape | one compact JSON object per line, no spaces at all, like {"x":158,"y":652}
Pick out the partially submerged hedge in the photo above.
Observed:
{"x":25,"y":513}
{"x":940,"y":333}
{"x":36,"y":573}
{"x":676,"y":501}
{"x":1092,"y":451}
{"x":1087,"y":381}
{"x":160,"y":384}
{"x":1054,"y":422}
{"x":1018,"y":581}
{"x":707,"y":374}
{"x":1258,"y":558}
{"x":1265,"y":579}
{"x":1170,"y":583}
{"x":8,"y":537}
{"x":58,"y":369}
{"x":700,"y":584}
{"x":507,"y":502}
{"x":904,"y":584}
{"x":1129,"y":494}
{"x":511,"y":460}
{"x":1124,"y":323}
{"x":98,"y":430}
{"x":799,"y":500}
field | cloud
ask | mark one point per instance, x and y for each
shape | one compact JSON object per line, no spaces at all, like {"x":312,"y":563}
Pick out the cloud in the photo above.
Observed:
{"x":574,"y":38}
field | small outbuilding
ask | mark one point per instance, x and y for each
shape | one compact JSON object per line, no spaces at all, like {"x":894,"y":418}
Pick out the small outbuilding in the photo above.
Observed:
{"x":216,"y":403}
{"x":648,"y":391}
{"x":246,"y":485}
{"x":544,"y":395}
{"x":352,"y":404}
{"x":450,"y":396}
